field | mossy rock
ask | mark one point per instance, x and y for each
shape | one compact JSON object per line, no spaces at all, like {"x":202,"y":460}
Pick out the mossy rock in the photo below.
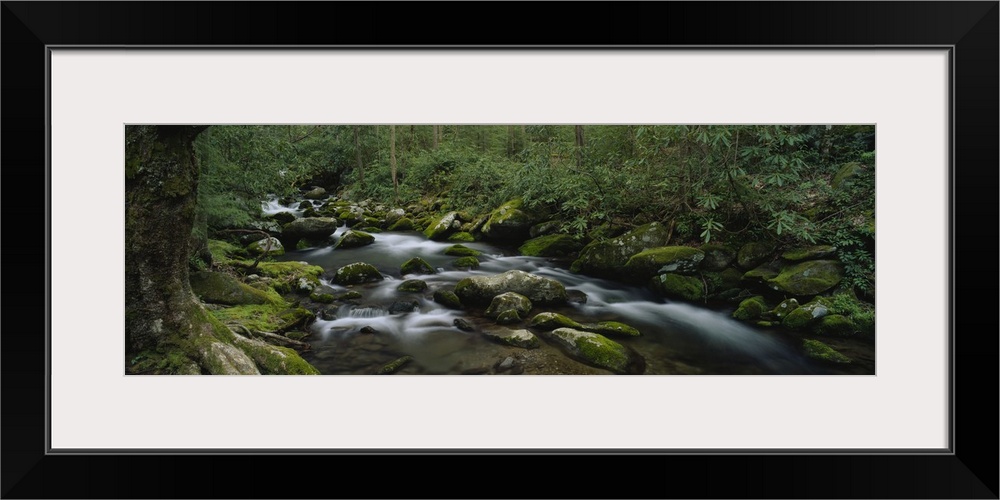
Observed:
{"x":356,"y":274}
{"x":412,"y":286}
{"x":730,"y":278}
{"x":466,"y":263}
{"x":819,"y":351}
{"x":275,"y":318}
{"x":661,"y":260}
{"x":784,"y":308}
{"x":482,"y":289}
{"x":394,"y":365}
{"x":223,"y":251}
{"x":283,"y":217}
{"x":806,"y":278}
{"x":605,"y":259}
{"x":369,"y":229}
{"x":815,"y":252}
{"x":354,"y":239}
{"x":417,"y":265}
{"x":509,"y":301}
{"x":612,"y":328}
{"x":221,"y":288}
{"x":461,"y":251}
{"x":596,"y":350}
{"x":316,"y":193}
{"x":310,"y":228}
{"x":750,"y":309}
{"x":443,"y":227}
{"x":403,"y":224}
{"x":844,"y":174}
{"x":544,"y":228}
{"x":462,"y":236}
{"x":551,"y":321}
{"x":802,"y":316}
{"x":508,"y":317}
{"x":606,"y":231}
{"x":352,"y":295}
{"x":394,"y":215}
{"x":260,"y":246}
{"x":553,"y":245}
{"x":717,"y":257}
{"x":678,"y":286}
{"x":447,"y":298}
{"x":835,"y":325}
{"x":324,"y":298}
{"x":762,"y":273}
{"x":509,"y":222}
{"x":514,"y":338}
{"x":754,"y":254}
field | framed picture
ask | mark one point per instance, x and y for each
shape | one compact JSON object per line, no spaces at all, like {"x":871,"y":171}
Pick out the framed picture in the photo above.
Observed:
{"x":923,"y":73}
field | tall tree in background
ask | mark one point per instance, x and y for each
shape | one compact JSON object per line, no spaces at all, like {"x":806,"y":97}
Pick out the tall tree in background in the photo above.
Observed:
{"x":392,"y":160}
{"x":579,"y":145}
{"x":357,"y":155}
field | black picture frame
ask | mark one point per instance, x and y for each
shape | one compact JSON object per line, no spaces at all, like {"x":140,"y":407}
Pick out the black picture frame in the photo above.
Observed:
{"x":970,"y":28}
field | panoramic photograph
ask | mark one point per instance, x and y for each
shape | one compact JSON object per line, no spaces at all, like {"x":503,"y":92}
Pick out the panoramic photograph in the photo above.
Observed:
{"x":419,"y":249}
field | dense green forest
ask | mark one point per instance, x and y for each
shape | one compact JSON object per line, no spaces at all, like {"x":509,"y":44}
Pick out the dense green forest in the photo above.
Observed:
{"x":755,"y":201}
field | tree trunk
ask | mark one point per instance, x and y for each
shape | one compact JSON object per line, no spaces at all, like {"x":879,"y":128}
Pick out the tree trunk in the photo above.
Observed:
{"x":392,"y":159}
{"x":579,"y":145}
{"x":162,"y":315}
{"x":357,"y":155}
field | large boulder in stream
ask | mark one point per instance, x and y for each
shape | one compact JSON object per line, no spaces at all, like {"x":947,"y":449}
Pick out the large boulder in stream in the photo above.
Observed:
{"x":509,"y":307}
{"x":810,"y":277}
{"x":270,"y":245}
{"x":416,"y":265}
{"x":315,"y":193}
{"x":443,"y":227}
{"x":356,"y":274}
{"x":310,"y":228}
{"x":553,"y":245}
{"x":597,"y":350}
{"x":482,"y":289}
{"x":354,"y":239}
{"x":648,"y":263}
{"x":605,"y":259}
{"x":509,"y":222}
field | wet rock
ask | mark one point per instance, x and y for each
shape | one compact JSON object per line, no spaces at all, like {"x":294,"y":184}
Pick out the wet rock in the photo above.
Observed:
{"x":539,"y":290}
{"x":416,"y":265}
{"x":355,"y":239}
{"x":368,"y":329}
{"x":412,"y":286}
{"x":403,"y":306}
{"x":597,"y":350}
{"x":447,"y":298}
{"x":357,"y":273}
{"x":464,"y":325}
{"x":514,"y":338}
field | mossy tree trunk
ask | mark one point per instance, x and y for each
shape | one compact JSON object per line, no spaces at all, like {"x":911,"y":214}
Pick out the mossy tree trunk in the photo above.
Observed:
{"x":162,"y":315}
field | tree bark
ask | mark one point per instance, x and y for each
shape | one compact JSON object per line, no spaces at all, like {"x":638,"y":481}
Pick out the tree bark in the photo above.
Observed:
{"x":162,"y":315}
{"x":357,"y":155}
{"x":579,"y":145}
{"x":392,"y":159}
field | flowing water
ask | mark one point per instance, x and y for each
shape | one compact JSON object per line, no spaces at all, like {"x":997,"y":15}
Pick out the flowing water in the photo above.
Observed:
{"x":677,"y":337}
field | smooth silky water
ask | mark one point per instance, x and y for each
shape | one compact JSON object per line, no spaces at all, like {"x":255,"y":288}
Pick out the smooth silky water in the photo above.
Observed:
{"x":677,"y":338}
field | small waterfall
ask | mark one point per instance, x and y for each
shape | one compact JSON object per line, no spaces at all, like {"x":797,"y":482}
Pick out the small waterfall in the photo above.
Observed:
{"x":369,"y":312}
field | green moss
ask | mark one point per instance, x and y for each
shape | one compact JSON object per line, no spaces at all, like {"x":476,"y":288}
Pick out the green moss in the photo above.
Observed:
{"x":786,"y":306}
{"x":553,"y":245}
{"x":809,"y":253}
{"x":461,"y":251}
{"x":356,"y":274}
{"x":447,"y":298}
{"x":860,"y":313}
{"x":462,"y":236}
{"x":403,"y":224}
{"x":754,"y":254}
{"x":325,"y":298}
{"x":164,"y":360}
{"x":354,"y":239}
{"x":808,"y":278}
{"x":819,"y":351}
{"x":678,"y":286}
{"x":417,"y":265}
{"x":613,"y":328}
{"x":676,"y":259}
{"x":275,"y":360}
{"x":441,"y":228}
{"x":761,"y":273}
{"x":394,"y":365}
{"x":836,"y":325}
{"x":603,"y":352}
{"x":806,"y":314}
{"x":466,"y":263}
{"x":551,"y":321}
{"x":750,"y":309}
{"x":352,"y":295}
{"x":508,"y":317}
{"x":508,"y":221}
{"x":412,"y":286}
{"x":221,"y":288}
{"x":223,"y":251}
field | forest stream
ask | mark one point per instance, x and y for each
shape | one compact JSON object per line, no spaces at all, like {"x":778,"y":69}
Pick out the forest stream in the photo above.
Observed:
{"x":362,"y":335}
